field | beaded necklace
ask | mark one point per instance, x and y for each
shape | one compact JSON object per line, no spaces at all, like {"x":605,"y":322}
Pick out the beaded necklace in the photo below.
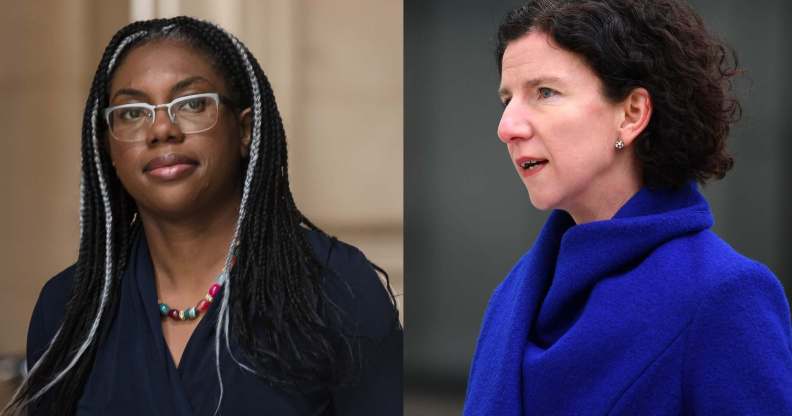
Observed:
{"x":202,"y":306}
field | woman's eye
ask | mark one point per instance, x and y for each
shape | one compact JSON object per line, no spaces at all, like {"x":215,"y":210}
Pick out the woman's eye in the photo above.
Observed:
{"x":545,"y":92}
{"x":132,"y":114}
{"x":193,"y":105}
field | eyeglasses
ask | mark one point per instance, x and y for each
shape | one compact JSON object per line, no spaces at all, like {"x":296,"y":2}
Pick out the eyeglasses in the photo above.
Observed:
{"x":192,"y":114}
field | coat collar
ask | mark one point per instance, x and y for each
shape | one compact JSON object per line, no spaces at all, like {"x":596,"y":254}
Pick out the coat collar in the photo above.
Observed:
{"x":548,"y":287}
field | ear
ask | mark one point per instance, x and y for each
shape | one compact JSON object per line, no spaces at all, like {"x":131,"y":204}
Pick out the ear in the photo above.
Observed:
{"x":636,"y":112}
{"x":246,"y":127}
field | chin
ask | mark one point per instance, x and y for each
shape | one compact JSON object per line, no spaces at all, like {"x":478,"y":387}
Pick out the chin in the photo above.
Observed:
{"x":172,"y":204}
{"x":540,"y":201}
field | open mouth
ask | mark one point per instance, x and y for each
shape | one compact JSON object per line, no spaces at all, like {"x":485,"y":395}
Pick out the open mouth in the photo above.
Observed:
{"x":532,"y":164}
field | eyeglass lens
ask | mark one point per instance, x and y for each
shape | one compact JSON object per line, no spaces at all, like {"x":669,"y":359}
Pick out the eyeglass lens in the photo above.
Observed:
{"x":192,"y":115}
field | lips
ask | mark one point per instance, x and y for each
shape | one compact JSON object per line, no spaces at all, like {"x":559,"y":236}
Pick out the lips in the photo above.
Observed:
{"x":530,"y":162}
{"x":170,"y":167}
{"x":168,"y":160}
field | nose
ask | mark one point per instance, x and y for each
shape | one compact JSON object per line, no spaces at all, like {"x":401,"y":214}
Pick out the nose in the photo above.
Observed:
{"x":163,"y":130}
{"x":515,"y":123}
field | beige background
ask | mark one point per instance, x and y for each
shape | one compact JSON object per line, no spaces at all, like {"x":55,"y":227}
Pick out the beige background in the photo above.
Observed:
{"x":336,"y":69}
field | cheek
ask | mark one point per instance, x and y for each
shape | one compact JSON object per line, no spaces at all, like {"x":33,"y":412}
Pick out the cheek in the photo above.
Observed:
{"x":223,"y":157}
{"x":228,"y":137}
{"x":579,"y":138}
{"x":124,"y":158}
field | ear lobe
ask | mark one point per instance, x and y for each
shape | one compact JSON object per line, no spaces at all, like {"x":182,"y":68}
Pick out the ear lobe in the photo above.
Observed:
{"x":637,"y":113}
{"x":246,"y":127}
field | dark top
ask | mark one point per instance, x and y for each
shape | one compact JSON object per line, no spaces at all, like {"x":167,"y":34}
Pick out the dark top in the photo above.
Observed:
{"x":134,"y":373}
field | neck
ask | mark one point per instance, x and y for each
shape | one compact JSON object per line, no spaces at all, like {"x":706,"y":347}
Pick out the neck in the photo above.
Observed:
{"x":189,"y":253}
{"x":601,"y":200}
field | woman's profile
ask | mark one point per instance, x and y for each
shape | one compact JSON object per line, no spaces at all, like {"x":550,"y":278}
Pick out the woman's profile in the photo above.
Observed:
{"x":627,"y":303}
{"x":199,"y":287}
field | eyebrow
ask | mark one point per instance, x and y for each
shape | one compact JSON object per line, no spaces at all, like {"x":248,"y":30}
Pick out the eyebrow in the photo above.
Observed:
{"x":181,"y":85}
{"x":533,"y":82}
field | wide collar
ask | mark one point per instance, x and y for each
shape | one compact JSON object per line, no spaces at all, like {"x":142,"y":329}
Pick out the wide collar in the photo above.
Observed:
{"x":538,"y":300}
{"x":593,"y":251}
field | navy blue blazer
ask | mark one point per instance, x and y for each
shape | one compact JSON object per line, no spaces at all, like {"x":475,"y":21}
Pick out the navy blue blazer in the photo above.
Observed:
{"x":134,"y":373}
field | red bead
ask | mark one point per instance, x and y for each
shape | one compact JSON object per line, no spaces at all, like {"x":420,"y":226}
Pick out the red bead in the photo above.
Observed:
{"x":214,"y":289}
{"x":233,"y":261}
{"x":173,"y":313}
{"x":203,"y":305}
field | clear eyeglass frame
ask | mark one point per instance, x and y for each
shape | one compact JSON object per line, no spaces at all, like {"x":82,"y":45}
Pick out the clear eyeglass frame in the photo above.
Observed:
{"x":152,"y":110}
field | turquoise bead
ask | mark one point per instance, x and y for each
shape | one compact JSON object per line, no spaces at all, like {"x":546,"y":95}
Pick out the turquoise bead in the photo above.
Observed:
{"x":163,"y":308}
{"x":190,"y":313}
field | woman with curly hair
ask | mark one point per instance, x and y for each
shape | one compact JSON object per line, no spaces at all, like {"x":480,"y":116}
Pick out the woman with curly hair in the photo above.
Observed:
{"x":627,"y":303}
{"x":200,"y":288}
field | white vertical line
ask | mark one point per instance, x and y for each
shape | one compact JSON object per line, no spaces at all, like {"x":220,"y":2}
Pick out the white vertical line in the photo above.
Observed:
{"x":141,"y":10}
{"x":168,"y":8}
{"x":227,"y":14}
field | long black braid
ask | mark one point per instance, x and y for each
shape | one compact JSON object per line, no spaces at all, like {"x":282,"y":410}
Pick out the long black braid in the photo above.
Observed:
{"x":288,"y":328}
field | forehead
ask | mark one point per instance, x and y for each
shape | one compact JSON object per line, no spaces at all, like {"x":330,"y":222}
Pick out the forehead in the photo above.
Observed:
{"x":535,"y":56}
{"x":160,"y":64}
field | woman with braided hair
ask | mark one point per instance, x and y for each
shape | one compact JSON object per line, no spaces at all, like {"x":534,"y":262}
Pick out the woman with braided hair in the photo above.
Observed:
{"x":200,"y":288}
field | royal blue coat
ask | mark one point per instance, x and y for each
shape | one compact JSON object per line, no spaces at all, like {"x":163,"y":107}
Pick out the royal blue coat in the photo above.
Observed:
{"x":649,"y":313}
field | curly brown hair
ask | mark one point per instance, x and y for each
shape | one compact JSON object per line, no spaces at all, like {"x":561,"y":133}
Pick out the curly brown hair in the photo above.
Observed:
{"x":664,"y":47}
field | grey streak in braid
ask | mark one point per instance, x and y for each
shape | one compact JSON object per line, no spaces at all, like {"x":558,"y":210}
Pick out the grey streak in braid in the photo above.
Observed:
{"x":108,"y":233}
{"x":301,"y":256}
{"x":108,"y":272}
{"x":221,"y":327}
{"x":82,"y":198}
